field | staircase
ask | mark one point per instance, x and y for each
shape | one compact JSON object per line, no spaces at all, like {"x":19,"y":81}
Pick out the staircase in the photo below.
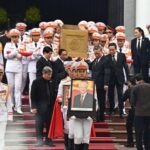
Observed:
{"x":20,"y":134}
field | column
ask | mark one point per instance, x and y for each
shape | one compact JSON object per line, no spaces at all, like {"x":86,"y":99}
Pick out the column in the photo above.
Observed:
{"x":129,"y":17}
{"x":142,"y":13}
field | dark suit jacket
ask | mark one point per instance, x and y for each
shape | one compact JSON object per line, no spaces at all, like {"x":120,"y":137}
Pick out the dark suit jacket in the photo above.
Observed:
{"x":116,"y":69}
{"x":144,"y":56}
{"x":87,"y":103}
{"x":140,"y":98}
{"x":41,"y":63}
{"x":59,"y":72}
{"x":42,"y":94}
{"x":100,"y":72}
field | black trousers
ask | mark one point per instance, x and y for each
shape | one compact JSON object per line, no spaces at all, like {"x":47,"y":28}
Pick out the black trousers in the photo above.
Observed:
{"x":139,"y":68}
{"x":111,"y":96}
{"x":142,"y":129}
{"x":43,"y":119}
{"x":129,"y":126}
{"x":101,"y":102}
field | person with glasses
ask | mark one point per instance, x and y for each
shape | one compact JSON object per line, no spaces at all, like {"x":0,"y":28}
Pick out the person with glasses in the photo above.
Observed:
{"x":14,"y":68}
{"x":104,"y":43}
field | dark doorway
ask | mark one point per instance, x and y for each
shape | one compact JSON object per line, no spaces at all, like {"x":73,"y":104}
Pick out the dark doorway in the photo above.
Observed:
{"x":70,"y":11}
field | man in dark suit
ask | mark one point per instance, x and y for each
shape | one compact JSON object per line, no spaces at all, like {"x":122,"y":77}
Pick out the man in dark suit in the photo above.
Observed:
{"x":42,"y":102}
{"x":87,"y":101}
{"x":59,"y":72}
{"x":44,"y":61}
{"x":100,"y":74}
{"x":140,"y":98}
{"x":140,"y":48}
{"x":118,"y":66}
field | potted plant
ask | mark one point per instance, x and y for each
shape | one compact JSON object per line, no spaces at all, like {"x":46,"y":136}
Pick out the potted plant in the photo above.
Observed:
{"x":32,"y":16}
{"x":3,"y":18}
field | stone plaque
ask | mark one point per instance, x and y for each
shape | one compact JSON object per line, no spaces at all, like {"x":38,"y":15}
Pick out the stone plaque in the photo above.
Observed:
{"x":75,"y":42}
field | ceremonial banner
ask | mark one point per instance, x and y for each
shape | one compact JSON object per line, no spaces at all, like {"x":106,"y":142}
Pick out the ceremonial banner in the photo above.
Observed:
{"x":75,"y":42}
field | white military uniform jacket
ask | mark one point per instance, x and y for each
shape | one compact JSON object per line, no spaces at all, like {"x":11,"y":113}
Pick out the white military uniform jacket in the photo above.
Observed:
{"x":14,"y":59}
{"x":66,"y":81}
{"x":36,"y":53}
{"x":5,"y":103}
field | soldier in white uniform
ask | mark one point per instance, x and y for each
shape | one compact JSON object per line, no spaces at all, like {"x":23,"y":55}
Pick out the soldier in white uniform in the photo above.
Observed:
{"x":14,"y":68}
{"x":5,"y":108}
{"x":68,"y":125}
{"x":66,"y":81}
{"x":34,"y":47}
{"x":23,"y":40}
{"x":82,"y":127}
{"x":48,"y":35}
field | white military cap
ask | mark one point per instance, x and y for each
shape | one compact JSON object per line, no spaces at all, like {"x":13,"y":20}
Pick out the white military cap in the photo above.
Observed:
{"x":21,"y":25}
{"x":42,"y":25}
{"x":100,"y":25}
{"x":35,"y":31}
{"x":14,"y":32}
{"x":120,"y":29}
{"x":120,"y":35}
{"x":59,"y":22}
{"x":96,"y":36}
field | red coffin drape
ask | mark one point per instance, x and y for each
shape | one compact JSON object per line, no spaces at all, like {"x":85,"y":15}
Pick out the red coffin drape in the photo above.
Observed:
{"x":56,"y":126}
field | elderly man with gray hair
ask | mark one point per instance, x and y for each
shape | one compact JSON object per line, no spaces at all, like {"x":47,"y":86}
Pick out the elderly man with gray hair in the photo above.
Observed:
{"x":42,"y":102}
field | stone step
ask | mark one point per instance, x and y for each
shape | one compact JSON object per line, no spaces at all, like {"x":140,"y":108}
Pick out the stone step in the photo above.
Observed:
{"x":31,"y":140}
{"x":31,"y":124}
{"x":122,"y":134}
{"x":61,"y":147}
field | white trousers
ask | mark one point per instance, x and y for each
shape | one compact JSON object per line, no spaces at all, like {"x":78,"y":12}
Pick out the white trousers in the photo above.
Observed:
{"x":24,"y":76}
{"x":82,"y":130}
{"x":15,"y":82}
{"x":32,"y":77}
{"x":2,"y":134}
{"x":71,"y":128}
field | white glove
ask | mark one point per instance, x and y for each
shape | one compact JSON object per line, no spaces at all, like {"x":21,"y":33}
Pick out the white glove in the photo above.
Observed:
{"x":14,"y":53}
{"x":73,"y":117}
{"x":89,"y":118}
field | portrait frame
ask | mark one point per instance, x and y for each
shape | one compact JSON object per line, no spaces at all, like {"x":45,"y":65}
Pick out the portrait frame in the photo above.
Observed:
{"x":87,"y":107}
{"x":66,"y":92}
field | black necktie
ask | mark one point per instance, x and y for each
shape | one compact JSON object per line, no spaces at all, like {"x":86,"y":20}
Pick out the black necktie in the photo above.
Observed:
{"x":35,"y":44}
{"x":120,"y":50}
{"x":113,"y":58}
{"x":96,"y":61}
{"x":21,"y":38}
{"x":16,"y":45}
{"x":139,"y":46}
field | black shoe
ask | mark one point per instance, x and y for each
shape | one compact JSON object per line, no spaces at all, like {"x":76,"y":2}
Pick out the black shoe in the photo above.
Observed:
{"x":39,"y":143}
{"x":86,"y":146}
{"x":121,"y":116}
{"x":49,"y":142}
{"x":111,"y":113}
{"x":129,"y":145}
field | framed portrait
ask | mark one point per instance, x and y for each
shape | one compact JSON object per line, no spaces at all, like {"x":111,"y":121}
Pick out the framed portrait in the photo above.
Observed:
{"x":82,"y":103}
{"x":66,"y":89}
